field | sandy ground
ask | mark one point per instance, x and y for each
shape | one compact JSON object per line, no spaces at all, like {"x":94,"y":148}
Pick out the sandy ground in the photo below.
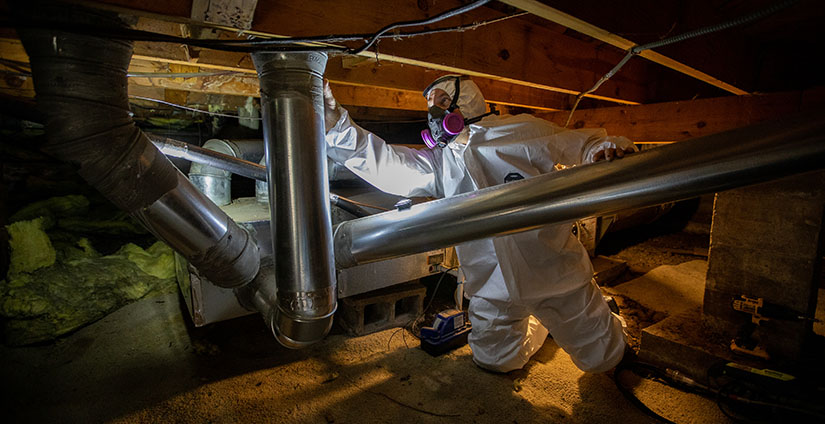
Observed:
{"x":145,"y":364}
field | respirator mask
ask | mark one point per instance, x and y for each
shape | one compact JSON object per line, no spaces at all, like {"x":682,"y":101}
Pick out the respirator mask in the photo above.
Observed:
{"x":446,"y":125}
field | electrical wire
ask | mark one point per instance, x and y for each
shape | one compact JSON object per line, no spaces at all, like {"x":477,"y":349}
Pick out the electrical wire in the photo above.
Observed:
{"x":358,"y":37}
{"x":191,"y":109}
{"x":437,"y":18}
{"x":180,"y":74}
{"x":760,"y":14}
{"x":257,"y":45}
{"x":735,"y":392}
{"x":628,"y":394}
{"x":366,"y":205}
{"x":412,"y":322}
{"x":461,"y":28}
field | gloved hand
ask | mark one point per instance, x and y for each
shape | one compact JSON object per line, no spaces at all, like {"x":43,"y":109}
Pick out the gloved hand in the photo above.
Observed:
{"x":331,"y":111}
{"x":616,"y":147}
{"x":608,"y":153}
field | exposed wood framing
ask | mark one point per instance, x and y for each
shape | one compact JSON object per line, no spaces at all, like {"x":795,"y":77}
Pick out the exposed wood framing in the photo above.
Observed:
{"x":561,"y":18}
{"x":244,"y":84}
{"x":677,"y":121}
{"x":567,"y":65}
{"x":16,"y":86}
{"x":390,"y":85}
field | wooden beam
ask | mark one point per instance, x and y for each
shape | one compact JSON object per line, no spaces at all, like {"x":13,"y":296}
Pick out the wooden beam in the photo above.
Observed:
{"x":367,"y":72}
{"x":512,"y":51}
{"x":677,"y":121}
{"x":247,"y":85}
{"x":229,"y":84}
{"x":16,"y":86}
{"x":390,"y":85}
{"x":12,"y":49}
{"x":236,"y":85}
{"x":361,"y":71}
{"x":561,"y":18}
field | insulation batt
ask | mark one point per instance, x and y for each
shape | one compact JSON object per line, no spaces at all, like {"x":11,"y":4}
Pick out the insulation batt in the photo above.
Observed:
{"x":57,"y":286}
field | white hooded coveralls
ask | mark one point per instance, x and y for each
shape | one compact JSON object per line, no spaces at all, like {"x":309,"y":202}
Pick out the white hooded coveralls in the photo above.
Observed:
{"x":520,"y":286}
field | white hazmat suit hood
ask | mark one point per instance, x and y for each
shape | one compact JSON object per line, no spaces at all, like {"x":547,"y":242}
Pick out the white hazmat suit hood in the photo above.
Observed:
{"x":470,"y":101}
{"x":520,"y":286}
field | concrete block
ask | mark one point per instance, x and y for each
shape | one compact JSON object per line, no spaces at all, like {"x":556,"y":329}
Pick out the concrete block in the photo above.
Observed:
{"x":749,"y":269}
{"x":378,"y":310}
{"x":784,"y":216}
{"x":766,"y":242}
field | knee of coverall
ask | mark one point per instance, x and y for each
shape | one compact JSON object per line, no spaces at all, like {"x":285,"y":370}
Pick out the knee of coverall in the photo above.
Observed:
{"x":581,"y":323}
{"x":504,"y":336}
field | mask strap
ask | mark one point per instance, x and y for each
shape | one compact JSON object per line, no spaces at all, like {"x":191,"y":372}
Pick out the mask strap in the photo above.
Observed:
{"x":492,"y":111}
{"x":454,"y":103}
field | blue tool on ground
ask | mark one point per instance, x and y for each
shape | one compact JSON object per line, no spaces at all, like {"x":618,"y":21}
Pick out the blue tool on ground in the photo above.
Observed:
{"x":449,"y":331}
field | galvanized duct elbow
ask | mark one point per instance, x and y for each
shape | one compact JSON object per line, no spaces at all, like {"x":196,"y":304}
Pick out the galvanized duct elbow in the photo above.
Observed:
{"x":214,"y":182}
{"x":81,"y":87}
{"x":301,"y":308}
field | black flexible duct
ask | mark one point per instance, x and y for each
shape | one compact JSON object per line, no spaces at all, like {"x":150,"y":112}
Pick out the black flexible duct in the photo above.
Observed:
{"x":81,"y":87}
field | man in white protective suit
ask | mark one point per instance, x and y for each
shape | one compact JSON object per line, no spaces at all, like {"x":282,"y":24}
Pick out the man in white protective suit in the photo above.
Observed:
{"x":520,"y":286}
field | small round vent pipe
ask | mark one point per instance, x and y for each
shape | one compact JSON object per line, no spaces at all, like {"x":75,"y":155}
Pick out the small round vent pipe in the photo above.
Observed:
{"x":215,"y":182}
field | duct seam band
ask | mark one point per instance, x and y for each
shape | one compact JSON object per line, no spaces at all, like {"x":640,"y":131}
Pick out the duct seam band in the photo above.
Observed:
{"x":228,"y":263}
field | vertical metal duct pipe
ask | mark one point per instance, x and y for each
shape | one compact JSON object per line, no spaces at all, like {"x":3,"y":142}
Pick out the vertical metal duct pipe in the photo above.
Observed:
{"x":81,"y":87}
{"x":293,"y":124}
{"x":679,"y":171}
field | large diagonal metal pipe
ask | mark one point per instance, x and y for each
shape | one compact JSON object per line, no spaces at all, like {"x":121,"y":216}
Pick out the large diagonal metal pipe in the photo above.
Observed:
{"x":679,"y":171}
{"x":300,"y":310}
{"x":81,"y":87}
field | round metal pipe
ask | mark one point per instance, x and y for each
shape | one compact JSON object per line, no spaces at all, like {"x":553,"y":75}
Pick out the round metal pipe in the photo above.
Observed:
{"x":215,"y":183}
{"x":243,"y":167}
{"x":293,"y":124}
{"x":81,"y":85}
{"x":196,"y":154}
{"x":679,"y":171}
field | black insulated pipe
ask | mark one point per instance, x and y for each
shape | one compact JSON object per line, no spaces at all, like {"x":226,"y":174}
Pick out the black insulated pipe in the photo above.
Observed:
{"x":81,"y":87}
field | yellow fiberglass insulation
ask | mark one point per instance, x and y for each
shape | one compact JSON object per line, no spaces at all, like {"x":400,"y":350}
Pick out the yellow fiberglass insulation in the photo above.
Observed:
{"x":54,"y":288}
{"x":31,"y":248}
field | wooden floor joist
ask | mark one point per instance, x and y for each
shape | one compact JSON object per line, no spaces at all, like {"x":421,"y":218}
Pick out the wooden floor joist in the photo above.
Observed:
{"x":677,"y":121}
{"x":384,"y":85}
{"x":508,"y":52}
{"x":554,"y":15}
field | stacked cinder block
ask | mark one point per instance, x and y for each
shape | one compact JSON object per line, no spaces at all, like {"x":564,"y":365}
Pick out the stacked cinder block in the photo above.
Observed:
{"x":378,"y":310}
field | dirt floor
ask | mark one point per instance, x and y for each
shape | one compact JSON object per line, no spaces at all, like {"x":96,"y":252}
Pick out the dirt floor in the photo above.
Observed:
{"x":143,"y":364}
{"x":146,"y":363}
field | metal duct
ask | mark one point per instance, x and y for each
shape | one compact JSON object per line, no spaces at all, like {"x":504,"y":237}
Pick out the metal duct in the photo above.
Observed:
{"x":679,"y":171}
{"x":211,"y":158}
{"x":214,"y":182}
{"x":293,"y":124}
{"x":243,"y":167}
{"x":81,"y":88}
